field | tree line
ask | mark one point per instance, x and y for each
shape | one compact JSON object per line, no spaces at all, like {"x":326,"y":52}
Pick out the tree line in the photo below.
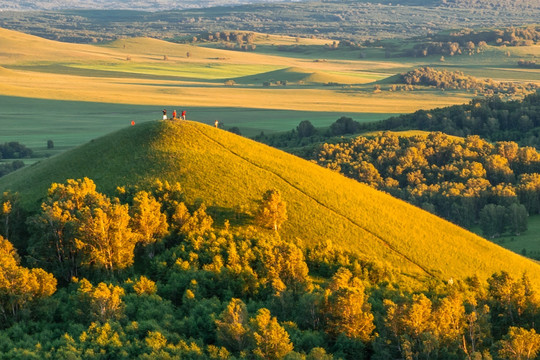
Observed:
{"x":457,"y":80}
{"x":143,"y":275}
{"x":13,"y":150}
{"x":491,"y":118}
{"x":474,"y":41}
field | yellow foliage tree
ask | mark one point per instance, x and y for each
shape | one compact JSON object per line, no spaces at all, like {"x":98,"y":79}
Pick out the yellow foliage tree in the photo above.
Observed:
{"x":145,"y":286}
{"x":59,"y":223}
{"x":105,"y":238}
{"x":270,"y":339}
{"x":19,"y":285}
{"x":346,"y":307}
{"x":147,"y":220}
{"x":104,"y":301}
{"x":520,"y":344}
{"x":272,"y":211}
{"x":232,"y":327}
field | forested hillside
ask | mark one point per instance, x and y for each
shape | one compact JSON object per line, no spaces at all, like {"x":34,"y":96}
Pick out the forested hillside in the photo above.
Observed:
{"x":191,"y":242}
{"x":491,"y":118}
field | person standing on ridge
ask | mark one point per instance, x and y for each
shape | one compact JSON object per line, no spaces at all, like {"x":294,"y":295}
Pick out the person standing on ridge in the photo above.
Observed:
{"x":216,"y":123}
{"x":184,"y":115}
{"x":174,"y":115}
{"x":164,"y":114}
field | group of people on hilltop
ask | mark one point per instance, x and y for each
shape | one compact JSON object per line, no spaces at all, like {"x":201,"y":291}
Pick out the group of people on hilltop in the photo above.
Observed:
{"x":174,"y":115}
{"x":182,"y":117}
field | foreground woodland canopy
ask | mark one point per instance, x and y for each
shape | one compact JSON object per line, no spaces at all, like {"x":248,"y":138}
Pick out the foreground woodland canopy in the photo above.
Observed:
{"x":143,"y":275}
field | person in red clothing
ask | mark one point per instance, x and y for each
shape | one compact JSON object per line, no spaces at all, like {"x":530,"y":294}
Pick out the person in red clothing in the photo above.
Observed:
{"x":174,"y":115}
{"x":183,"y":115}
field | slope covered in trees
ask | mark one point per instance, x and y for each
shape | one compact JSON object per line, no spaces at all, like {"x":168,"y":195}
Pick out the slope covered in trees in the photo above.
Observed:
{"x":230,"y":173}
{"x":465,"y":180}
{"x":145,"y":271}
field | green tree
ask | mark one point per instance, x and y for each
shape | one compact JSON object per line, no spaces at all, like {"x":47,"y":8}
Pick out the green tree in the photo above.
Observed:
{"x":270,"y":339}
{"x":305,"y":129}
{"x":517,"y":217}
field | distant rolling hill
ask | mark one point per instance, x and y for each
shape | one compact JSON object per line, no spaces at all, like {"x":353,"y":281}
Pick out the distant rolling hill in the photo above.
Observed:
{"x":301,"y":75}
{"x":121,"y":4}
{"x":190,"y":4}
{"x":229,"y":174}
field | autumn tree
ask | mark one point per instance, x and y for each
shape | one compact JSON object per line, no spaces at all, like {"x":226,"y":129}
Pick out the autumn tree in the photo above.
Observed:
{"x":197,"y":223}
{"x":81,"y":227}
{"x":512,"y":301}
{"x":19,"y":285}
{"x":105,"y":239}
{"x":59,"y":222}
{"x":520,"y":344}
{"x":232,"y":326}
{"x":286,"y":268}
{"x":147,"y":220}
{"x":272,"y":211}
{"x":145,"y":286}
{"x":103,"y":301}
{"x":347,"y":309}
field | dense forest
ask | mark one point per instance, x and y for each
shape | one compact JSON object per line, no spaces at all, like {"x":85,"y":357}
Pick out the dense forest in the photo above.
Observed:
{"x":491,"y":118}
{"x":465,"y":180}
{"x":144,"y":275}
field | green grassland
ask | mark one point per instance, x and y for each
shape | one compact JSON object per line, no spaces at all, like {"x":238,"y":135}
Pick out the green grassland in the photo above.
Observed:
{"x":528,"y":241}
{"x":70,"y":123}
{"x":229,"y":173}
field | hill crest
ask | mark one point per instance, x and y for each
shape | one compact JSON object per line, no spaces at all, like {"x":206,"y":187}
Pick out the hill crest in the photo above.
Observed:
{"x":230,"y":173}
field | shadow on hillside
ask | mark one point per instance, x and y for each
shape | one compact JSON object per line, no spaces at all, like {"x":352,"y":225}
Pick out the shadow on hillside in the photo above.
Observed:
{"x":237,"y":216}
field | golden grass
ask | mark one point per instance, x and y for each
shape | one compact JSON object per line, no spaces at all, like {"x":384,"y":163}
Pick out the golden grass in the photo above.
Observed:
{"x":45,"y":69}
{"x":229,"y":172}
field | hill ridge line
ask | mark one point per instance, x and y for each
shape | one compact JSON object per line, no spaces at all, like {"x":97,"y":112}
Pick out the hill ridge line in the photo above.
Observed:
{"x":320,"y":203}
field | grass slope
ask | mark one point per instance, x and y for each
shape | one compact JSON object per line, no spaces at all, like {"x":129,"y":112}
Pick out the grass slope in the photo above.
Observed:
{"x":229,"y":172}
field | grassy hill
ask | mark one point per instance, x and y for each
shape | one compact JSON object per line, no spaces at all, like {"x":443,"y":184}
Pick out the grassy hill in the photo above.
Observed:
{"x":230,"y":173}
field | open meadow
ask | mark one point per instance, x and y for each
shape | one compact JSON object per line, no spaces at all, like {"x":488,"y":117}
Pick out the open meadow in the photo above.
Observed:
{"x":72,"y":93}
